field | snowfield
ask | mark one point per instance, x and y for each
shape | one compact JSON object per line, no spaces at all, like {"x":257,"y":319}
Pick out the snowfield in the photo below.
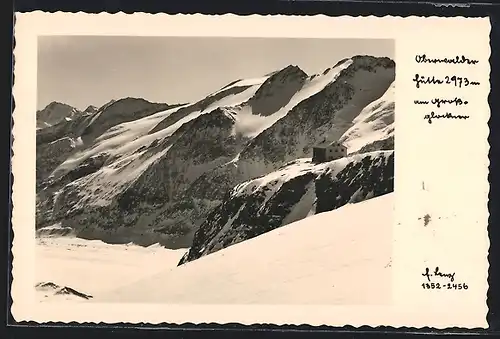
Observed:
{"x":337,"y":257}
{"x":92,"y":266}
{"x":375,"y":122}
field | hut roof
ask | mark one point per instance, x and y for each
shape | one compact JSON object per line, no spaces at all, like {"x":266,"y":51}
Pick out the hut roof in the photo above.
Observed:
{"x":329,"y":143}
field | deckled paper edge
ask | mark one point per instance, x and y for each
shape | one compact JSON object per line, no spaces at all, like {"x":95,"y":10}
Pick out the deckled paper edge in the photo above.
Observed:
{"x":18,"y":259}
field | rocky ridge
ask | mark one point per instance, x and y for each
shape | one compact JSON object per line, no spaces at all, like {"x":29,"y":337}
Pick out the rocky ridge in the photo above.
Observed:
{"x":296,"y":191}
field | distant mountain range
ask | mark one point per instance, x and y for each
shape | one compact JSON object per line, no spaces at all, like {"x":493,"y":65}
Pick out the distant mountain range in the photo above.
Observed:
{"x":221,"y":170}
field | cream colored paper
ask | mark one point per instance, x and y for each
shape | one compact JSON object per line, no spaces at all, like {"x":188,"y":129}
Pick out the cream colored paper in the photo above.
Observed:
{"x":448,"y":158}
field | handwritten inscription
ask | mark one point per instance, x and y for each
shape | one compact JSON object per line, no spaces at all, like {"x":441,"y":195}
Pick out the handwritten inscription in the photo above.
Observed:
{"x":456,"y":81}
{"x":437,"y":273}
{"x":440,"y":280}
{"x":453,"y":80}
{"x":438,"y":102}
{"x":422,"y":58}
{"x":447,"y":115}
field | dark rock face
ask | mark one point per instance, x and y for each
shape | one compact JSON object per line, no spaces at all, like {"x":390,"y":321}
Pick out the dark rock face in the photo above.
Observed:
{"x":243,"y":216}
{"x":90,"y":110}
{"x":51,"y":155}
{"x":199,"y":145}
{"x":198,"y":106}
{"x":147,"y":210}
{"x":89,"y":166}
{"x":56,"y":197}
{"x":371,"y":177}
{"x":379,"y":145}
{"x":54,"y":113}
{"x":277,"y":90}
{"x":72,"y":129}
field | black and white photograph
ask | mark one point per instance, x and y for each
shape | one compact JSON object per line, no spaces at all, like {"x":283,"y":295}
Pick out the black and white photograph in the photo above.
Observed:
{"x":214,"y":170}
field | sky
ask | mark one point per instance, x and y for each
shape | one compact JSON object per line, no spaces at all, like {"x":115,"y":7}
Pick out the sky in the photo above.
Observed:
{"x":91,"y":70}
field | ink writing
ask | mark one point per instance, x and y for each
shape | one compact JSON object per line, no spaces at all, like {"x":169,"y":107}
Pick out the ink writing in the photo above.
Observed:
{"x":444,"y":287}
{"x":447,"y":115}
{"x":437,"y":273}
{"x":438,"y":102}
{"x":453,"y":80}
{"x":422,"y":58}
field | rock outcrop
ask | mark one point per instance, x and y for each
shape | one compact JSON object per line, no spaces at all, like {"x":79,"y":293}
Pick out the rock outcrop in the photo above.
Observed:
{"x":292,"y":193}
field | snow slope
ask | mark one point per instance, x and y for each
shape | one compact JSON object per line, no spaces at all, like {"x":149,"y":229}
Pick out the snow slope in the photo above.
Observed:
{"x":251,"y":125}
{"x":375,"y":122}
{"x":118,"y":140}
{"x":123,"y":140}
{"x":243,"y":82}
{"x":91,"y":266}
{"x":323,"y":259}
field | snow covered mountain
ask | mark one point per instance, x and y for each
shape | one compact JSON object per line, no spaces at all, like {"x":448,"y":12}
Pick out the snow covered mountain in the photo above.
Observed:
{"x":57,"y":142}
{"x":140,"y":172}
{"x":54,"y":113}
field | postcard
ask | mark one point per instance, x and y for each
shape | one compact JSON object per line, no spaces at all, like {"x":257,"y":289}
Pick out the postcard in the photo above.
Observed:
{"x":250,"y":169}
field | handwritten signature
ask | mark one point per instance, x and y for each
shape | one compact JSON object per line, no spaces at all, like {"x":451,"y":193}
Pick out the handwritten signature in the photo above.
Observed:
{"x":437,"y":273}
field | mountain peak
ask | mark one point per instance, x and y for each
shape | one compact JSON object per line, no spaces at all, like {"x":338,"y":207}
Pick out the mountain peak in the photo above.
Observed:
{"x":373,"y":61}
{"x":291,"y":69}
{"x":364,"y":61}
{"x":109,"y":103}
{"x":135,"y":101}
{"x":54,"y":104}
{"x":54,"y":113}
{"x":130,"y":100}
{"x":340,"y":62}
{"x":361,"y":62}
{"x":277,"y":90}
{"x":90,"y":109}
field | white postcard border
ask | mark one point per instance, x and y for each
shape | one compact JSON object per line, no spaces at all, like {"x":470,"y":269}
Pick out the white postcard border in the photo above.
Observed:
{"x":461,"y":246}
